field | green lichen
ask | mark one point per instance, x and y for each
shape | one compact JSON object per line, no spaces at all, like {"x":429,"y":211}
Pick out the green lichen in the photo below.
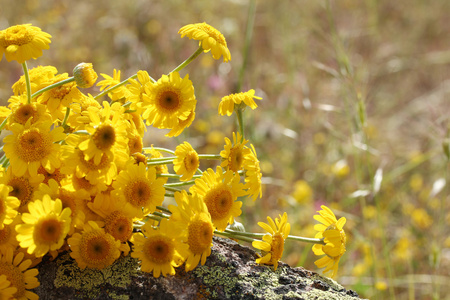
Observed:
{"x":90,"y":281}
{"x":217,"y":276}
{"x":328,"y":281}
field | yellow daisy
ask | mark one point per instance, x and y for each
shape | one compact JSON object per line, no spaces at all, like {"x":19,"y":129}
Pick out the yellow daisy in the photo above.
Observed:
{"x":220,"y":191}
{"x":6,"y":290}
{"x":137,"y":90}
{"x":181,"y":125}
{"x":119,"y":93}
{"x":159,"y":250}
{"x":234,"y":153}
{"x":332,"y":232}
{"x":192,"y":220}
{"x":8,"y":235}
{"x":61,"y":96}
{"x":33,"y":145}
{"x":39,"y":78}
{"x":170,"y":99}
{"x":253,"y":175}
{"x":17,"y":272}
{"x":187,"y":161}
{"x":272,"y":244}
{"x":45,"y":227}
{"x":226,"y":106}
{"x":84,"y":75}
{"x":160,"y":169}
{"x":22,"y":111}
{"x":56,"y":175}
{"x":94,"y":248}
{"x":8,"y":206}
{"x":140,"y":189}
{"x":210,"y":39}
{"x":23,"y":42}
{"x":107,"y":133}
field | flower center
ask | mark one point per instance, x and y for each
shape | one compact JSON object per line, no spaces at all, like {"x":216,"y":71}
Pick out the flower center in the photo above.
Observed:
{"x":17,"y":35}
{"x":94,"y":248}
{"x":104,"y":137}
{"x":235,"y":159}
{"x":277,"y":247}
{"x":81,"y":183}
{"x":24,"y":112}
{"x":219,"y":201}
{"x":22,"y":189}
{"x":135,"y":144}
{"x":138,"y":193}
{"x":200,"y":233}
{"x":119,"y":226}
{"x":90,"y":165}
{"x":56,"y":175}
{"x":50,"y":230}
{"x":159,"y":249}
{"x":67,"y":200}
{"x":5,"y":234}
{"x":168,"y":101}
{"x":191,"y":161}
{"x":33,"y":146}
{"x":61,"y":91}
{"x":214,"y":33}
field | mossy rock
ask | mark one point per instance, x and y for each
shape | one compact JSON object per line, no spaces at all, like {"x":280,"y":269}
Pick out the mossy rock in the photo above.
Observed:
{"x":229,"y":273}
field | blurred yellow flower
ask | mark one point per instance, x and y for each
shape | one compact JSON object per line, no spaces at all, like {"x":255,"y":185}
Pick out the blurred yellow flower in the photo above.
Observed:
{"x":23,"y":42}
{"x":332,"y":232}
{"x":302,"y":192}
{"x":340,"y":169}
{"x":210,"y":39}
{"x":226,"y":105}
{"x":421,"y":218}
{"x":272,"y":244}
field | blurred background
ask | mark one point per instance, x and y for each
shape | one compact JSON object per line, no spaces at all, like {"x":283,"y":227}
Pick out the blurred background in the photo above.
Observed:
{"x":355,"y":113}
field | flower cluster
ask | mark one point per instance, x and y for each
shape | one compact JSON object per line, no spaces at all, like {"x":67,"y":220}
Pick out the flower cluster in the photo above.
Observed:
{"x":76,"y":176}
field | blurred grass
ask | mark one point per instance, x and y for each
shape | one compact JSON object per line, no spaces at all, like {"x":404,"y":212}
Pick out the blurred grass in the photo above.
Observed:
{"x":355,"y":105}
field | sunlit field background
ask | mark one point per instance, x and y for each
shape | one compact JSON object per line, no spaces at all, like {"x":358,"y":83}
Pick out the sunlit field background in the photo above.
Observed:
{"x":355,"y":114}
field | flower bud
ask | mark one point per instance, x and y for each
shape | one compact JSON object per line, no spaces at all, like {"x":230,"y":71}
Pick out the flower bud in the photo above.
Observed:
{"x":85,"y":75}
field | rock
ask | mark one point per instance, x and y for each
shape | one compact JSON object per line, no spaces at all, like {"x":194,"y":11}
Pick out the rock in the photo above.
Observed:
{"x":229,"y":273}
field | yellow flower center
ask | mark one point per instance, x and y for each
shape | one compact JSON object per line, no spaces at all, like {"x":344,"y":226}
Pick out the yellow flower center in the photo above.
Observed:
{"x":138,"y":193}
{"x":235,"y":158}
{"x":61,"y":91}
{"x":15,"y":276}
{"x":81,"y":183}
{"x":338,"y":247}
{"x":191,"y":161}
{"x":119,"y":226}
{"x":200,"y":233}
{"x":214,"y":33}
{"x":140,"y":158}
{"x":159,"y":249}
{"x":219,"y":201}
{"x":2,"y":207}
{"x":33,"y":145}
{"x":24,"y":112}
{"x":277,"y":247}
{"x":17,"y":35}
{"x":95,"y":248}
{"x":56,"y":175}
{"x":68,"y":200}
{"x":49,"y":230}
{"x":21,"y":189}
{"x":168,"y":100}
{"x":104,"y":137}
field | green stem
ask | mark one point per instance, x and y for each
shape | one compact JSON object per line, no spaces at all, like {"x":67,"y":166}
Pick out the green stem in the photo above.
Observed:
{"x":27,"y":81}
{"x":56,"y":84}
{"x":66,"y":116}
{"x":239,"y":114}
{"x":3,"y":124}
{"x":307,"y":240}
{"x":159,"y":149}
{"x":209,"y":156}
{"x":182,"y":183}
{"x":189,"y":60}
{"x":229,"y":235}
{"x":248,"y":38}
{"x":260,"y":235}
{"x":164,"y":209}
{"x":115,"y":87}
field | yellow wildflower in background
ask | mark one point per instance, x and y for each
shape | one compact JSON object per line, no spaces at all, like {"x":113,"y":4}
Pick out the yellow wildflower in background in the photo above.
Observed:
{"x":272,"y":244}
{"x":210,"y":39}
{"x":17,"y":272}
{"x":8,"y":206}
{"x":220,"y":190}
{"x":45,"y":227}
{"x":332,"y":232}
{"x":169,"y":100}
{"x":84,"y":75}
{"x":234,"y":153}
{"x":226,"y":106}
{"x":33,"y":145}
{"x":302,"y":193}
{"x":23,"y":42}
{"x":94,"y":248}
{"x":187,"y":161}
{"x":192,"y":219}
{"x":160,"y":250}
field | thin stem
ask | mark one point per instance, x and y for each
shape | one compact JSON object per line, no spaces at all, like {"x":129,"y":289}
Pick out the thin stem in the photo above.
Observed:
{"x":189,"y":60}
{"x":230,"y":235}
{"x":164,"y":209}
{"x":4,"y":123}
{"x":159,"y":149}
{"x":66,"y":116}
{"x":27,"y":81}
{"x":307,"y":240}
{"x":209,"y":156}
{"x":115,"y":87}
{"x":56,"y":84}
{"x":239,"y":114}
{"x":182,"y":183}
